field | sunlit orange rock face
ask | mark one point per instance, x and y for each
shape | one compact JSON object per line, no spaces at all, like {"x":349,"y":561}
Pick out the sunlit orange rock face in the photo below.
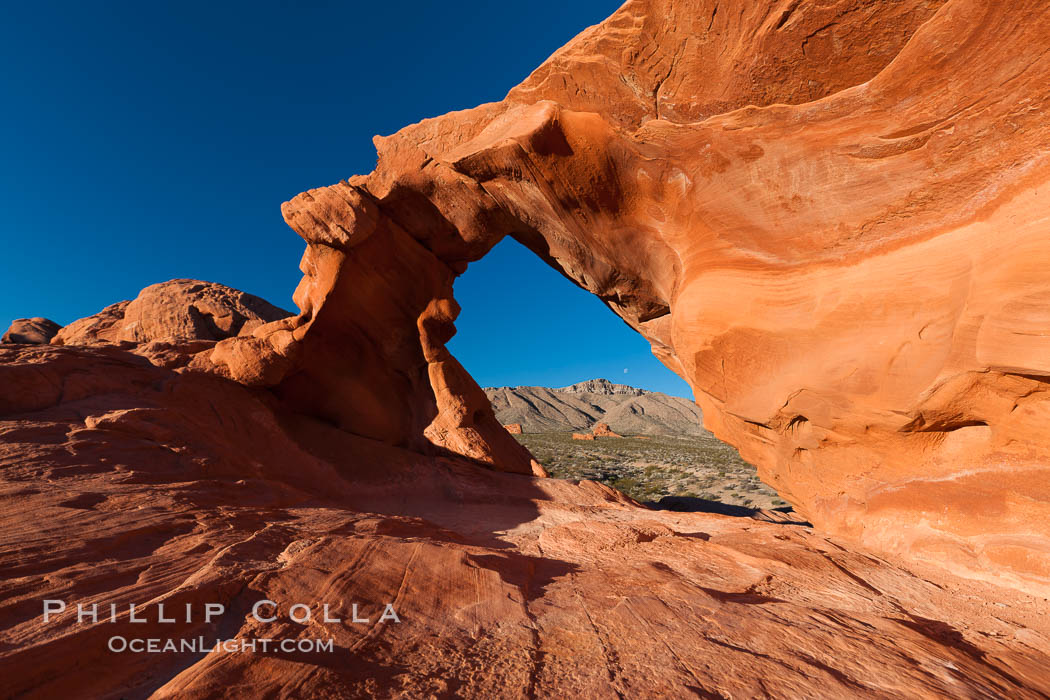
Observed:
{"x":830,"y":218}
{"x":603,"y":430}
{"x":127,"y":483}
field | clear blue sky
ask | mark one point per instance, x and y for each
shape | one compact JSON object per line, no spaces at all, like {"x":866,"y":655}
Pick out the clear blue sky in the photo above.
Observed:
{"x":146,"y":141}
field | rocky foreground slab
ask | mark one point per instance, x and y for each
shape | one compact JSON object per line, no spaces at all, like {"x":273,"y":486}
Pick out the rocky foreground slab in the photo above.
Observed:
{"x":136,"y":484}
{"x":829,"y":218}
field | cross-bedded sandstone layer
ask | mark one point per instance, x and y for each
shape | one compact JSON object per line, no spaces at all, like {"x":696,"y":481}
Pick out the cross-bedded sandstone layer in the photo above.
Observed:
{"x":139,"y":484}
{"x":830,"y":218}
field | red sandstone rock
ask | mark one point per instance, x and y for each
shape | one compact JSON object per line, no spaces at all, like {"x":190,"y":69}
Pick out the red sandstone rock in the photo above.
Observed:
{"x":174,"y":311}
{"x":30,"y":331}
{"x":172,"y":322}
{"x":138,"y":484}
{"x":583,"y":436}
{"x":513,"y":428}
{"x":825,"y":216}
{"x":603,"y":430}
{"x":828,"y":218}
{"x":103,"y":327}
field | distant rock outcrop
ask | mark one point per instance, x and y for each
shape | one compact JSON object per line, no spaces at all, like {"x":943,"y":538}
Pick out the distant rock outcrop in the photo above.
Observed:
{"x":30,"y":331}
{"x":626,"y":409}
{"x":513,"y":428}
{"x":177,"y":310}
{"x":603,"y":387}
{"x":601,"y":430}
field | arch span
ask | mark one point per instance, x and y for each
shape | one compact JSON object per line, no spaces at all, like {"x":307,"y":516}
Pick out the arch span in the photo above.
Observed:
{"x":828,"y":220}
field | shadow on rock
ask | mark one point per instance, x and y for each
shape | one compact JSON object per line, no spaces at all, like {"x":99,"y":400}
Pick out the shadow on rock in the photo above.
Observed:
{"x":688,"y":504}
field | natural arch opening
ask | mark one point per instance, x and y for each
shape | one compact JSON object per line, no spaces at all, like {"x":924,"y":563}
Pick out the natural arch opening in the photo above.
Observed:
{"x":557,"y":365}
{"x":761,"y":250}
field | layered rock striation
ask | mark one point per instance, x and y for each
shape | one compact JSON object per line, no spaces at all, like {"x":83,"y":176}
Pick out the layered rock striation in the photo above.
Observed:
{"x":829,"y":218}
{"x":129,"y":483}
{"x":172,"y":311}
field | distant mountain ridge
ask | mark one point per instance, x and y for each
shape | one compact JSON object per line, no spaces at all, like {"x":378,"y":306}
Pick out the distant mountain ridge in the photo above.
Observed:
{"x":602,"y":386}
{"x":628,"y":410}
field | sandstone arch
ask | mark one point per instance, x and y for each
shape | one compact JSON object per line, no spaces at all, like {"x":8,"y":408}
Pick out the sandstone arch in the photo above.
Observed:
{"x":831,"y":219}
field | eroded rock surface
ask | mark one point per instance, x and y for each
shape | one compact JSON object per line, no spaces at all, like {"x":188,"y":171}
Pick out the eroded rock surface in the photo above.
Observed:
{"x":174,"y":323}
{"x":831,"y":219}
{"x":30,"y":331}
{"x":174,"y":311}
{"x":132,"y":483}
{"x":603,"y":430}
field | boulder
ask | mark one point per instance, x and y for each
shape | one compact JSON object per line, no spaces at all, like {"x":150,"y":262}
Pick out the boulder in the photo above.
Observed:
{"x":174,"y":311}
{"x":30,"y":331}
{"x":603,"y":430}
